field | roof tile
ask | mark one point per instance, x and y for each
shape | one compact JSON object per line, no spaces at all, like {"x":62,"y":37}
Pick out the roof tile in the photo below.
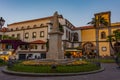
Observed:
{"x":38,"y":42}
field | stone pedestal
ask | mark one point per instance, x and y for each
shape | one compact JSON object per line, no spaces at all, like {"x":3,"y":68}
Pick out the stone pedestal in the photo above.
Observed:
{"x":55,"y":41}
{"x":55,"y":46}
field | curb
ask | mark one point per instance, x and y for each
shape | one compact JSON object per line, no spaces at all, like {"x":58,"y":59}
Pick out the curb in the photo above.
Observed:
{"x":48,"y":74}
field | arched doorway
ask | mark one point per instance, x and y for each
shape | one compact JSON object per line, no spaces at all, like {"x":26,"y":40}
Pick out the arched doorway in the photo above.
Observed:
{"x":89,"y":50}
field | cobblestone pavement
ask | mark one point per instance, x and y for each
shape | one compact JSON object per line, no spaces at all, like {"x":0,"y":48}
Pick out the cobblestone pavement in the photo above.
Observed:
{"x":111,"y":73}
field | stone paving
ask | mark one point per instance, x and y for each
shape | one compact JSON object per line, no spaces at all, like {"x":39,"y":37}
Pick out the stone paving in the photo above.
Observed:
{"x":111,"y":73}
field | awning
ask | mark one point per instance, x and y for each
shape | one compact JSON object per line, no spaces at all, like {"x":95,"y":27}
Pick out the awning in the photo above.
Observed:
{"x":30,"y":52}
{"x":13,"y":41}
{"x":37,"y":42}
{"x":73,"y":50}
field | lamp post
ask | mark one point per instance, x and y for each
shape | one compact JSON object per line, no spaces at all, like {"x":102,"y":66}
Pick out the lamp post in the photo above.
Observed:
{"x":2,"y":21}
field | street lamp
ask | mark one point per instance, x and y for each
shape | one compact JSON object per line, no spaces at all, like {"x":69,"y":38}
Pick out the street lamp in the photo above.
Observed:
{"x":2,"y":21}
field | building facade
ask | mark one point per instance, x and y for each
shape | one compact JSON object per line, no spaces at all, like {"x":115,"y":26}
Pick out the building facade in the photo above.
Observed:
{"x":29,"y":39}
{"x":96,"y":37}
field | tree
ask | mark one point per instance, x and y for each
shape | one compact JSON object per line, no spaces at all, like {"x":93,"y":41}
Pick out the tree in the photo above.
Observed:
{"x":100,"y":22}
{"x":116,"y":38}
{"x":116,"y":46}
{"x":6,"y":37}
{"x":47,"y":44}
{"x":61,"y":28}
{"x":68,"y":54}
{"x":93,"y":22}
{"x":103,"y":21}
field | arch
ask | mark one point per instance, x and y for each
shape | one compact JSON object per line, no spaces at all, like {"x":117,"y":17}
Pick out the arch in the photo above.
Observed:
{"x":88,"y":43}
{"x":75,"y":36}
{"x":89,"y":49}
{"x":41,"y":25}
{"x":103,"y":35}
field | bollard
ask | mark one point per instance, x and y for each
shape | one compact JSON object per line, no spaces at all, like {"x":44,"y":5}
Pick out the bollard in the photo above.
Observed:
{"x":10,"y":64}
{"x":98,"y":64}
{"x":53,"y":66}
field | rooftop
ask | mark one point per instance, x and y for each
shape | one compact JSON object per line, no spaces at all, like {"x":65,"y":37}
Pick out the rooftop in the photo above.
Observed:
{"x":49,"y":17}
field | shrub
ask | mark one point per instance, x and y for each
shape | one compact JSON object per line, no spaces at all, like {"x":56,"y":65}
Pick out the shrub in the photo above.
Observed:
{"x":68,"y":54}
{"x":58,"y":69}
{"x":1,"y":61}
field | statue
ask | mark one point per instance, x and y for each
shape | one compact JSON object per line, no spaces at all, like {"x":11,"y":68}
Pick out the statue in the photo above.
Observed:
{"x":55,"y":22}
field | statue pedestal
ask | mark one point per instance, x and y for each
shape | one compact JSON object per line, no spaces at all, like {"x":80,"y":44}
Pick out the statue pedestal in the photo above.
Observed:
{"x":55,"y":46}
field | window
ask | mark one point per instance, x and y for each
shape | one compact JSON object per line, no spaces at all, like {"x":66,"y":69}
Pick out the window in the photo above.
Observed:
{"x":104,"y":49}
{"x":22,"y":28}
{"x":75,"y":38}
{"x":34,"y":26}
{"x":29,"y":55}
{"x":34,"y":35}
{"x":103,"y":35}
{"x":9,"y":46}
{"x":33,"y":46}
{"x":11,"y":29}
{"x":16,"y":28}
{"x":28,"y":27}
{"x":27,"y":35}
{"x":41,"y":33}
{"x":24,"y":47}
{"x":69,"y":36}
{"x":42,"y":47}
{"x":66,"y":33}
{"x":41,"y":25}
{"x":13,"y":35}
{"x":18,"y":36}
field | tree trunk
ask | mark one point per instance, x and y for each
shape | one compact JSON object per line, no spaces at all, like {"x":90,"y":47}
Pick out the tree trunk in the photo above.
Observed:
{"x":112,"y":46}
{"x":97,"y":41}
{"x":112,"y":52}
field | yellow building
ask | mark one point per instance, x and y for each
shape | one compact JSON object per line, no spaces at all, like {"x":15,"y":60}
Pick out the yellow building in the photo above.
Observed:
{"x":89,"y":35}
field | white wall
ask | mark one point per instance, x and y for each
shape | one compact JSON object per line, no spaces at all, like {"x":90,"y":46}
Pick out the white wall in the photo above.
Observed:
{"x":30,"y":31}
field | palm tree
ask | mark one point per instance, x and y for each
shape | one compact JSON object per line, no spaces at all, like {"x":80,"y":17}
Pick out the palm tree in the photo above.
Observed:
{"x":116,"y":47}
{"x":102,"y":21}
{"x":93,"y":22}
{"x":115,"y":37}
{"x":97,"y":23}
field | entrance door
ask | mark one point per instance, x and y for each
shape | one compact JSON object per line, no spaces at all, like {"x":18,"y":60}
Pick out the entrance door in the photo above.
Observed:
{"x":22,"y":56}
{"x":43,"y":55}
